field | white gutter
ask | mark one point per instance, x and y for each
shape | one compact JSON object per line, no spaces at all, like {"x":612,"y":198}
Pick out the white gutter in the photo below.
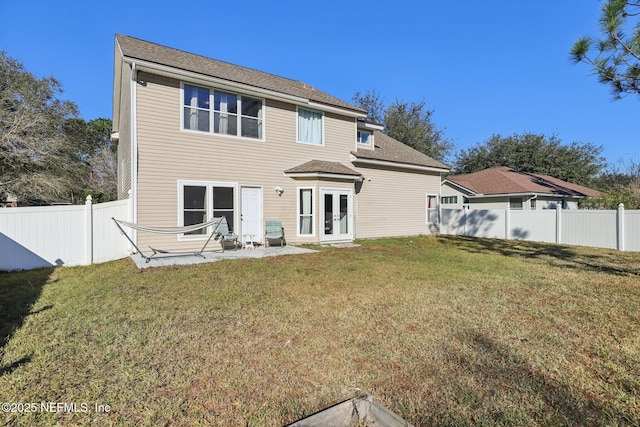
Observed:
{"x":328,"y":108}
{"x":564,"y":196}
{"x":355,"y":159}
{"x":242,"y":87}
{"x":373,"y":126}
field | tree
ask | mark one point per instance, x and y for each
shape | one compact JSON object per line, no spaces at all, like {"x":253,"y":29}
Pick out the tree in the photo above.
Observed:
{"x":409,"y":123}
{"x":46,"y":150}
{"x":412,"y":125}
{"x":371,"y":102}
{"x":95,"y":156}
{"x":33,"y":145}
{"x":577,"y":163}
{"x":615,"y":58}
{"x":620,"y":183}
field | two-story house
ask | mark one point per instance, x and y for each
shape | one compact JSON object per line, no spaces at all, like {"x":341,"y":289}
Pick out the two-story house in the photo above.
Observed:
{"x":201,"y":138}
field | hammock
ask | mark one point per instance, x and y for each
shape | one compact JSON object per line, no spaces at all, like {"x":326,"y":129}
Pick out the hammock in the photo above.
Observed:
{"x":215,"y":222}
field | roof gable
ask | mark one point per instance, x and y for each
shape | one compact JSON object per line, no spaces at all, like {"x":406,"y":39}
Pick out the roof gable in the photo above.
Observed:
{"x":504,"y":180}
{"x":134,"y":48}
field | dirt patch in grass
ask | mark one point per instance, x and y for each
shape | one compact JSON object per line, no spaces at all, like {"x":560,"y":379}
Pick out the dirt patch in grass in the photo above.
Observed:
{"x":442,"y":330}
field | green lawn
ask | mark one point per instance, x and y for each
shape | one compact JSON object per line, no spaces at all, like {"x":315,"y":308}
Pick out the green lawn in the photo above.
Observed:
{"x":441,"y":330}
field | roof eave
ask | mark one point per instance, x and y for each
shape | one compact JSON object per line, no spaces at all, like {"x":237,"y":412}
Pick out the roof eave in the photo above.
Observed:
{"x":387,"y":163}
{"x":529,"y":193}
{"x":203,"y":79}
{"x":320,"y":175}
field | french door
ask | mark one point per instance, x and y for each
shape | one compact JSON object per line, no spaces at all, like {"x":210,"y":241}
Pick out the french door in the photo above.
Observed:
{"x":337,"y":215}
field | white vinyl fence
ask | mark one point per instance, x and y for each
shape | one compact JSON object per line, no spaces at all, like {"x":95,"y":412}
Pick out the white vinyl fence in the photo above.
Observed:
{"x":46,"y":236}
{"x":614,"y":229}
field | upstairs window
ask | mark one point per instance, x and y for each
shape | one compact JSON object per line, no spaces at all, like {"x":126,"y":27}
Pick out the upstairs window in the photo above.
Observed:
{"x":310,"y":127}
{"x":232,"y":114}
{"x":196,"y":108}
{"x":225,"y":113}
{"x":364,"y":137}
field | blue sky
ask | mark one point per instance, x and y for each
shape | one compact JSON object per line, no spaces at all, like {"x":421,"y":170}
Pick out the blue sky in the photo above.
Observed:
{"x":490,"y":67}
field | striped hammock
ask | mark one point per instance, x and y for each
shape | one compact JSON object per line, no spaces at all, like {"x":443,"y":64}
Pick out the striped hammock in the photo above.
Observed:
{"x":216,"y":222}
{"x":170,"y":230}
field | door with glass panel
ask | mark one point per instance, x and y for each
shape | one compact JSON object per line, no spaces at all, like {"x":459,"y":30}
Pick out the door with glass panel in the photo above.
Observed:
{"x":337,"y":215}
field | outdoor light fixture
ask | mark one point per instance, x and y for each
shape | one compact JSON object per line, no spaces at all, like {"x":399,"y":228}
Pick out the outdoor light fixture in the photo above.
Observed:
{"x":279,"y":191}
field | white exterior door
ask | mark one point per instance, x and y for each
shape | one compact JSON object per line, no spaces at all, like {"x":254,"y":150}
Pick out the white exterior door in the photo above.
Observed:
{"x":336,"y":208}
{"x":251,"y":217}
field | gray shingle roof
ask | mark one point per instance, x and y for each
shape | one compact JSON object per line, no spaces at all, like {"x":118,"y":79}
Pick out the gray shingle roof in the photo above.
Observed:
{"x":321,"y":166}
{"x":134,"y":48}
{"x":391,"y":150}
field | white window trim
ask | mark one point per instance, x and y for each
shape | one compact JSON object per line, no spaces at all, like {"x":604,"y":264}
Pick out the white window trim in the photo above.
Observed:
{"x":364,"y":144}
{"x":298,"y":108}
{"x":212,"y":114}
{"x":313,"y":212}
{"x":427,"y":209}
{"x":208,"y":204}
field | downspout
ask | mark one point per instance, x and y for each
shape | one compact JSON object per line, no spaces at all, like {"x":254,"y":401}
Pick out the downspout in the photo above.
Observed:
{"x":134,"y":151}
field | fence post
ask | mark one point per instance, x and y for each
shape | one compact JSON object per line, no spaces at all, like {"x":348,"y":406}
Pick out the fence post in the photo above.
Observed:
{"x":558,"y":223}
{"x":507,"y":223}
{"x":620,"y":227}
{"x":88,"y":231}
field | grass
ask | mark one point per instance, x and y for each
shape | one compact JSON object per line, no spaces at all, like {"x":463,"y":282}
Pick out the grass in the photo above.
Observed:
{"x":442,"y":330}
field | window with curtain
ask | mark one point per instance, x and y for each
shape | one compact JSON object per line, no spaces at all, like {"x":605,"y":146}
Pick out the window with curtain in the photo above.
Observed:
{"x":232,"y":114}
{"x":309,"y":127}
{"x":225,"y":113}
{"x":305,"y":211}
{"x":196,"y":108}
{"x":364,"y":137}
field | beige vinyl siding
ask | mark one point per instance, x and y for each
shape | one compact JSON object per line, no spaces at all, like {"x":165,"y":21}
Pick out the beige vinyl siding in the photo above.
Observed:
{"x":394,"y":202}
{"x":124,"y":129}
{"x":167,"y":154}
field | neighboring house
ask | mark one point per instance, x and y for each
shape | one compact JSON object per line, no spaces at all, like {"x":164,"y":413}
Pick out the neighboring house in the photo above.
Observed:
{"x":503,"y":187}
{"x":200,"y":138}
{"x":8,"y":200}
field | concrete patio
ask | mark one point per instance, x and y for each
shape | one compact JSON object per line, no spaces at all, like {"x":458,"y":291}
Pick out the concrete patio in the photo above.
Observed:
{"x":161,"y":260}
